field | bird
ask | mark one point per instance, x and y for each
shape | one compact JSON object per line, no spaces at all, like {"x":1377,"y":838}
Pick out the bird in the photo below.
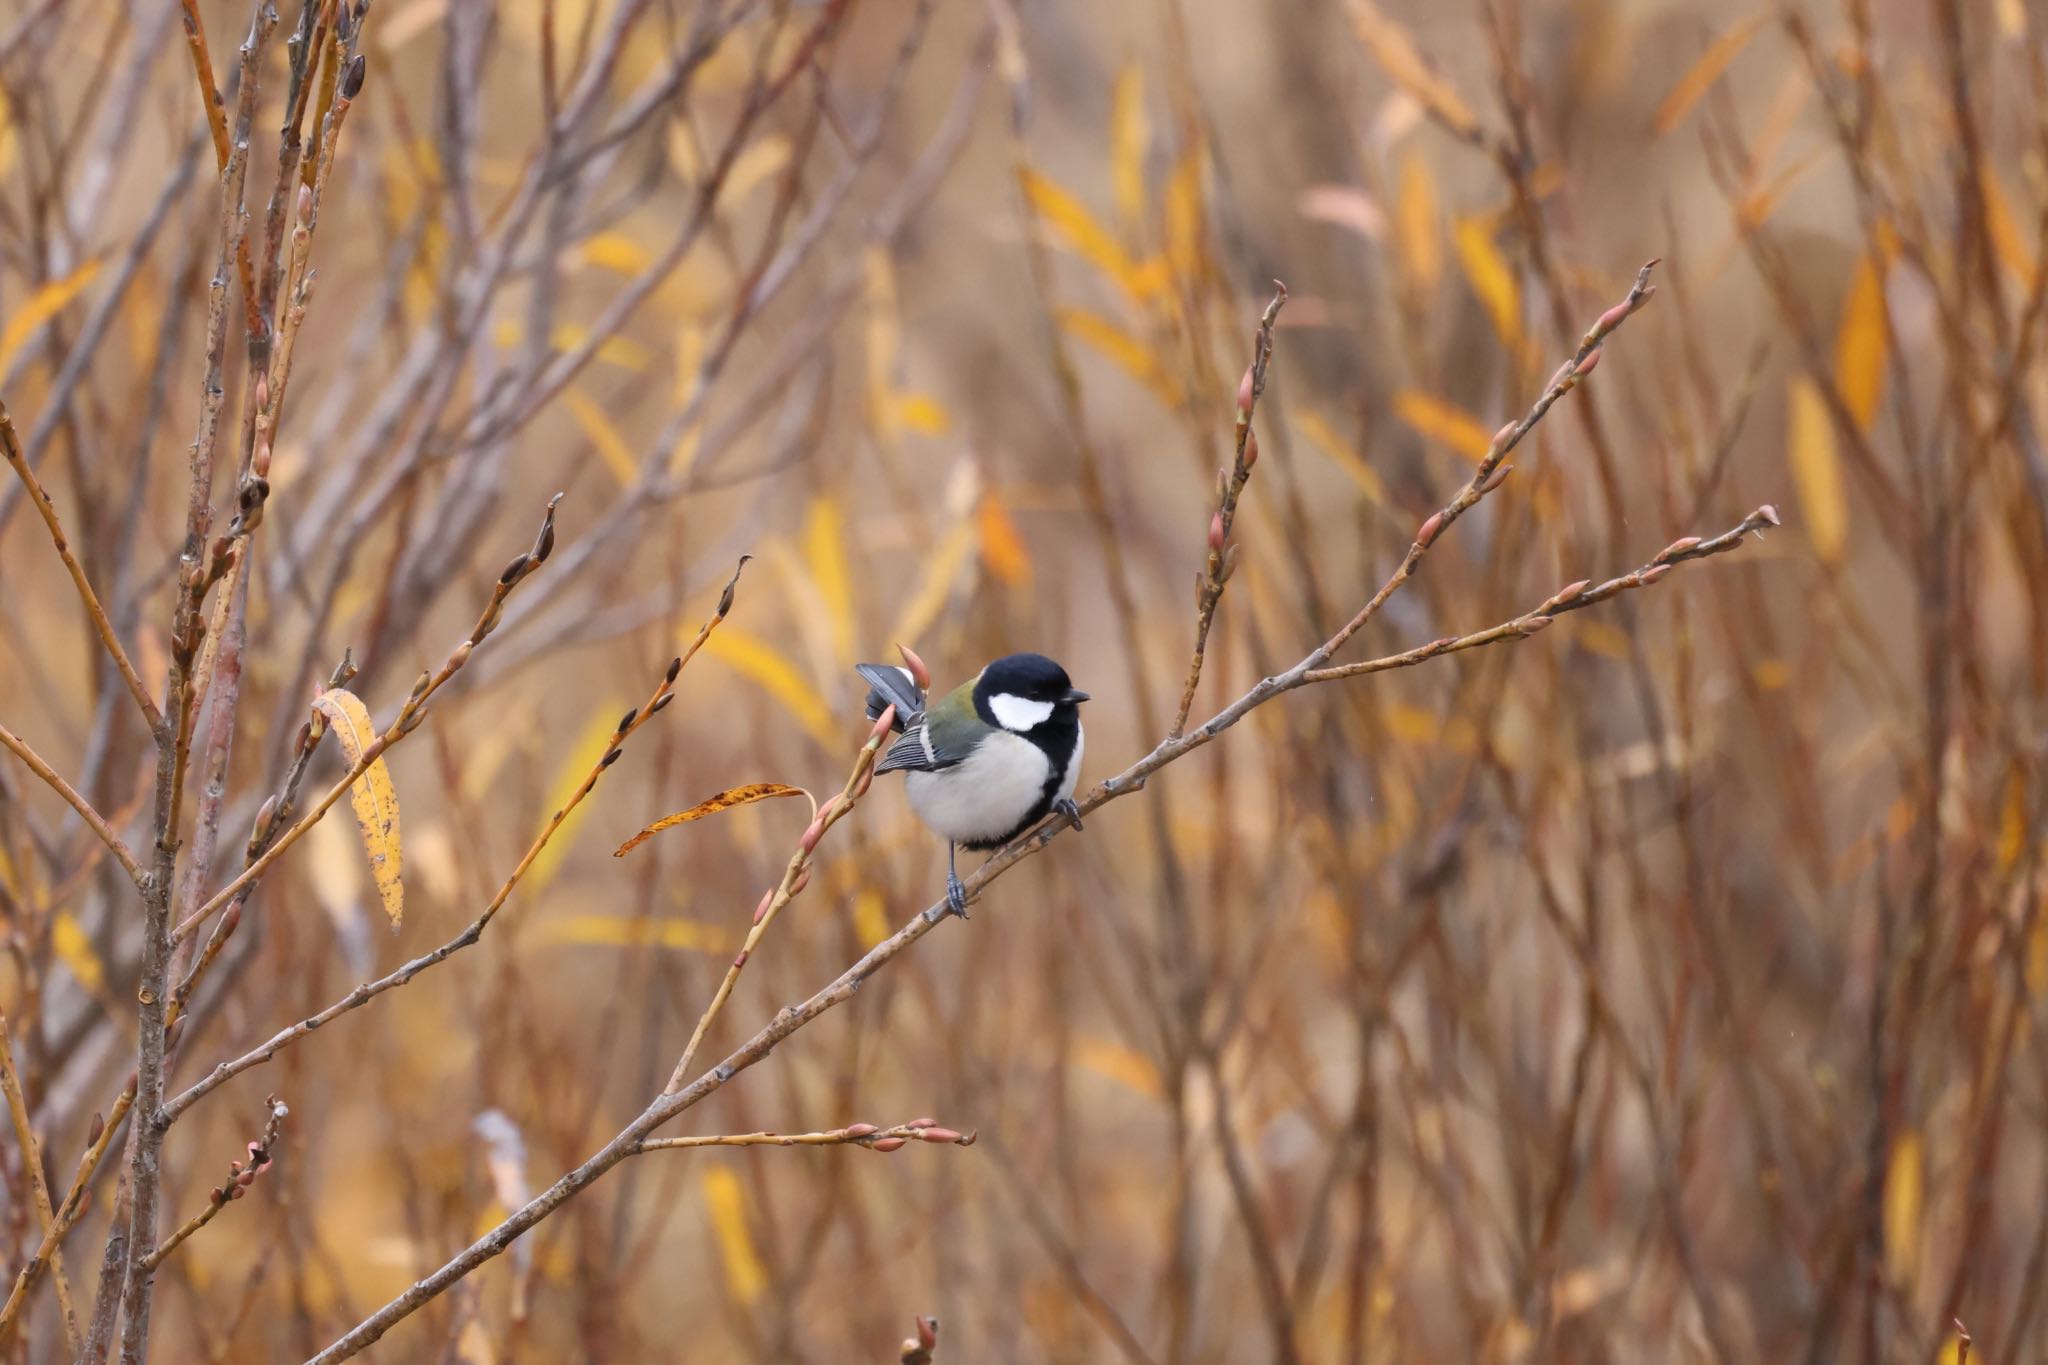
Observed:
{"x":988,"y":760}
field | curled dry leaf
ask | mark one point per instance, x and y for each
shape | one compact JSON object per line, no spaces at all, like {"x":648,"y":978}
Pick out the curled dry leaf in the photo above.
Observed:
{"x":373,"y":798}
{"x":725,"y":800}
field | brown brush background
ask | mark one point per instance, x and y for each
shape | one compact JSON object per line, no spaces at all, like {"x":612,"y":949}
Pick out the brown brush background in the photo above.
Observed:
{"x":1670,"y":987}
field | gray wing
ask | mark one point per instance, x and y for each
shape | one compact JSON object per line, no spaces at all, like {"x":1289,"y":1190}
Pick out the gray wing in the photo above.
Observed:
{"x":888,"y":686}
{"x":920,"y":752}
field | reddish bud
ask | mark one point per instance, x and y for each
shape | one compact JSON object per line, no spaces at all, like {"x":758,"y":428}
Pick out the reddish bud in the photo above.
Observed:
{"x":237,"y":1191}
{"x":231,"y":921}
{"x":173,"y":1033}
{"x":1216,"y":534}
{"x":867,"y":779}
{"x":1563,"y":377}
{"x":1677,"y":548}
{"x":1590,"y":363}
{"x":1251,"y":448}
{"x":1498,"y":477}
{"x":861,"y":1130}
{"x":919,"y":674}
{"x":803,"y":879}
{"x":1570,"y":591}
{"x":1426,"y":535}
{"x":1230,"y":562}
{"x":938,"y":1135}
{"x":888,"y":1144}
{"x":812,"y":833}
{"x":883,"y":724}
{"x":1651,"y":575}
{"x":305,"y":203}
{"x":259,"y":464}
{"x":767,"y":897}
{"x":927,"y":1121}
{"x":1500,"y":438}
{"x":262,"y":393}
{"x":1244,"y":393}
{"x":1530,"y":627}
{"x":1612,"y":318}
{"x":739,"y":959}
{"x":1769,"y":514}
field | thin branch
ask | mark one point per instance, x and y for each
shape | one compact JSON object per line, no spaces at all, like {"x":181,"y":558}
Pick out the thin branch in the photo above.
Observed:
{"x":32,"y":1160}
{"x":240,"y":1177}
{"x":854,"y":1135}
{"x":68,"y":1213}
{"x":10,"y":446}
{"x":94,"y":821}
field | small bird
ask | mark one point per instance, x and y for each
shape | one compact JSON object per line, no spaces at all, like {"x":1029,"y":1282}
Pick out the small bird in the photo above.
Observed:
{"x":989,"y":759}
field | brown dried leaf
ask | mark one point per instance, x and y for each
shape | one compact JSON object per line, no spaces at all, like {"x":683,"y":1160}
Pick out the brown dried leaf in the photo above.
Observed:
{"x":373,"y":798}
{"x":725,"y":800}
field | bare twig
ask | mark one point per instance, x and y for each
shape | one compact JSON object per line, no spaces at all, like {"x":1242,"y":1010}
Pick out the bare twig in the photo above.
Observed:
{"x":240,"y":1177}
{"x":922,"y":1348}
{"x":32,"y":1163}
{"x":853,"y":1135}
{"x":93,"y":819}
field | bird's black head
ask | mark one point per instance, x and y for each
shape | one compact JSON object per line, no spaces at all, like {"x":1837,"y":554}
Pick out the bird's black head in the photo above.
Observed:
{"x":1022,"y":691}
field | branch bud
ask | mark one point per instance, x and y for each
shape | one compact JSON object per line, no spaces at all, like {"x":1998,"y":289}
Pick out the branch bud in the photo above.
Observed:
{"x":1426,"y":534}
{"x":887,"y":1144}
{"x":1652,"y":574}
{"x":1498,"y":477}
{"x":860,"y":1130}
{"x":1251,"y":449}
{"x":1244,"y":395}
{"x":1676,"y":548}
{"x":919,"y":674}
{"x":1216,"y":534}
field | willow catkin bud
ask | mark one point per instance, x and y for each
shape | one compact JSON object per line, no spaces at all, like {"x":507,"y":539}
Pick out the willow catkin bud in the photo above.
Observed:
{"x":887,"y":1144}
{"x":1244,"y":394}
{"x":1251,"y":449}
{"x":919,"y":674}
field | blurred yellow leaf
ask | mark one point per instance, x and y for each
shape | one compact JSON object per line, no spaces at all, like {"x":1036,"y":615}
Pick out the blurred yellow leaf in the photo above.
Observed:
{"x":1072,"y":223}
{"x":682,"y":152}
{"x":1421,"y":725}
{"x":39,"y":307}
{"x":710,"y":805}
{"x":589,"y":748}
{"x":74,"y":949}
{"x":2012,"y":821}
{"x":1130,"y":138}
{"x":1127,"y":1067}
{"x":1444,"y":423}
{"x":870,"y":917}
{"x":1323,"y":437}
{"x":1393,"y":47}
{"x":1904,"y":1193}
{"x":1415,"y":223}
{"x":1599,"y":637}
{"x":373,"y":798}
{"x":1771,"y":674}
{"x":1133,"y":356}
{"x":825,"y":553}
{"x":941,"y":571}
{"x":1701,"y":75}
{"x":610,"y":445}
{"x":626,"y":354}
{"x":1184,"y":217}
{"x":616,"y":252}
{"x":1816,"y":470}
{"x":1002,"y":547}
{"x":1491,"y":278}
{"x":771,"y":668}
{"x":921,"y":413}
{"x":755,"y":164}
{"x":9,"y":143}
{"x":2007,"y":240}
{"x":1860,"y":343}
{"x":619,"y":931}
{"x":2012,"y":18}
{"x":2037,"y":958}
{"x":726,"y":1203}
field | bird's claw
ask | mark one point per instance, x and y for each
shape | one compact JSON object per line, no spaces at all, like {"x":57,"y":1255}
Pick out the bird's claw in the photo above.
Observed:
{"x":956,"y":895}
{"x":1065,"y":806}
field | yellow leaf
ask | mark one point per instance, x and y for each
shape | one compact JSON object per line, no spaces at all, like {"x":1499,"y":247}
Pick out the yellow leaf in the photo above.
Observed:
{"x":711,"y":805}
{"x":74,"y":949}
{"x":754,"y":165}
{"x":373,"y":798}
{"x":941,"y":572}
{"x":611,"y":446}
{"x":870,"y":918}
{"x":1071,"y":222}
{"x":1420,"y":725}
{"x":589,"y":748}
{"x":1772,"y":675}
{"x":2012,"y":823}
{"x":623,"y":352}
{"x":1130,"y":354}
{"x":1441,"y":422}
{"x":1002,"y":547}
{"x":1129,"y":1068}
{"x":1323,"y":437}
{"x":726,"y":1203}
{"x":619,"y":931}
{"x":1184,"y":217}
{"x":1816,"y":470}
{"x":757,"y":659}
{"x":1491,"y":278}
{"x":825,"y":552}
{"x":921,"y":413}
{"x":1904,"y":1192}
{"x":1415,"y":222}
{"x":2007,"y":240}
{"x":616,"y":252}
{"x":1600,"y":638}
{"x":1860,"y":343}
{"x":1130,"y":138}
{"x":1701,"y":75}
{"x":40,"y":307}
{"x":1393,"y":47}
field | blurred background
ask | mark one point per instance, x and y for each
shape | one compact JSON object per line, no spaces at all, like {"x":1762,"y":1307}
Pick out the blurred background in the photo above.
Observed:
{"x":1670,"y":987}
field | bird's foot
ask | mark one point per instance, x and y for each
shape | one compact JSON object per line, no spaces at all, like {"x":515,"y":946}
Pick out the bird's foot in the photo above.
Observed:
{"x":1065,"y":806}
{"x":956,"y":894}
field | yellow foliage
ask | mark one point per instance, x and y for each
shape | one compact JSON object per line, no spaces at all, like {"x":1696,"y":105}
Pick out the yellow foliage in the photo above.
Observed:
{"x":373,"y":797}
{"x":1320,"y":434}
{"x":1416,"y":223}
{"x":1129,"y":140}
{"x":616,"y":252}
{"x":1860,"y":342}
{"x":1440,"y":421}
{"x":825,"y":556}
{"x":590,"y":745}
{"x":1817,"y":470}
{"x":1133,"y":356}
{"x":603,"y":436}
{"x":1701,"y":75}
{"x":726,"y":1203}
{"x":941,"y":572}
{"x":74,"y":949}
{"x":919,"y":412}
{"x":870,"y":917}
{"x":39,"y":308}
{"x":619,"y":931}
{"x":1492,"y":279}
{"x":1393,"y":47}
{"x":1131,"y":1069}
{"x":1905,"y":1180}
{"x":1073,"y":225}
{"x":755,"y":658}
{"x":1002,"y":546}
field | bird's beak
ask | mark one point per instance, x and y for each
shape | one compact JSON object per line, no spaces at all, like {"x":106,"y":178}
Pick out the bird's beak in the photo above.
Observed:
{"x":1074,"y":695}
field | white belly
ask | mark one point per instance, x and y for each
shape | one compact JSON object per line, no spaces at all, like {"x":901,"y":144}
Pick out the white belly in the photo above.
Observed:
{"x":986,"y":796}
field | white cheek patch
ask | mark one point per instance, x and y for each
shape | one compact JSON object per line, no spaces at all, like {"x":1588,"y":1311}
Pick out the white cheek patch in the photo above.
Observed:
{"x":1017,"y":713}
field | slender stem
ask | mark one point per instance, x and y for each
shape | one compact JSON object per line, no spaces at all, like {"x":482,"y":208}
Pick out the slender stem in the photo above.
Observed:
{"x":32,"y":1159}
{"x":93,"y":819}
{"x":10,"y":446}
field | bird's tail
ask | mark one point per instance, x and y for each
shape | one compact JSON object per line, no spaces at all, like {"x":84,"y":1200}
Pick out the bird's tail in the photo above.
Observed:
{"x":889,"y":686}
